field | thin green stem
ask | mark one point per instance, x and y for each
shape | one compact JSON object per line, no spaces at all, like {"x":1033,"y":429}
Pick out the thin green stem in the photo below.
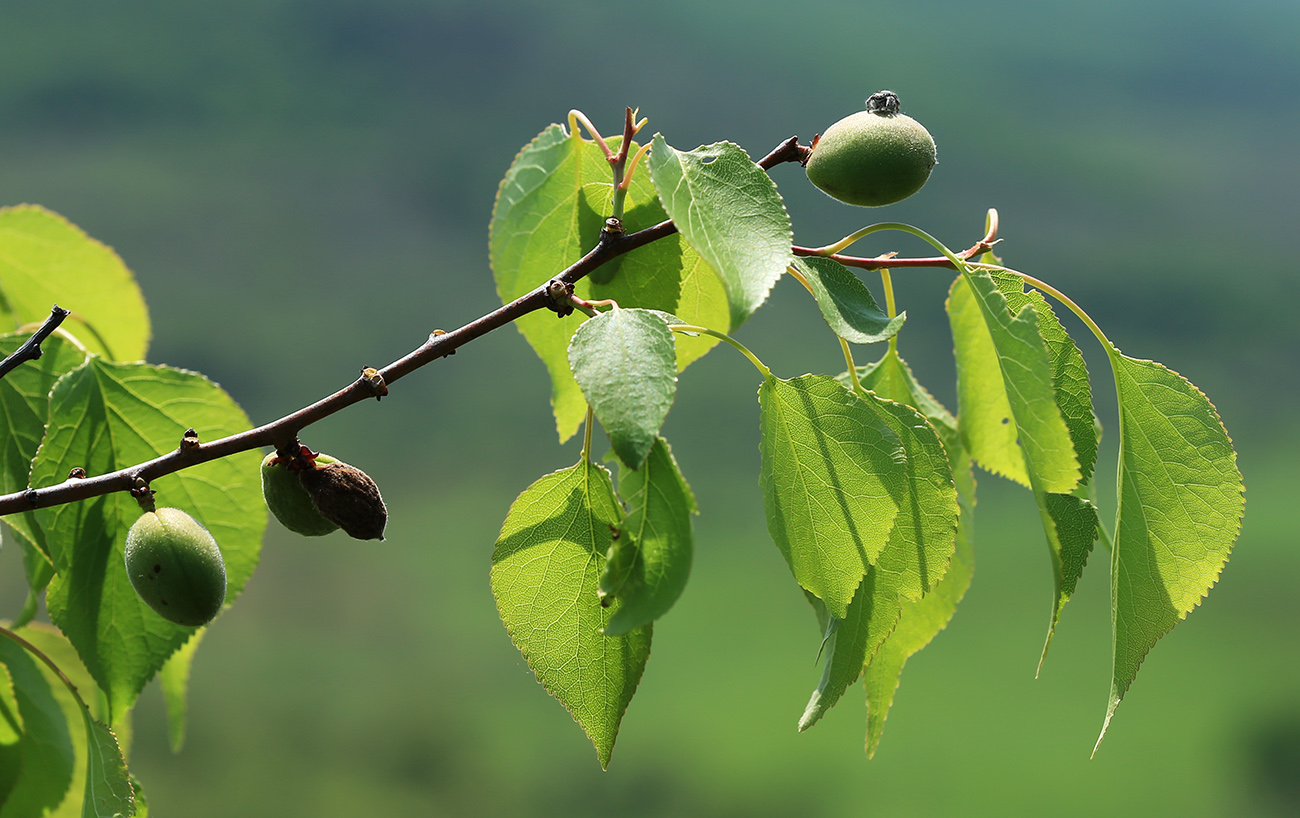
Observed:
{"x":890,"y":308}
{"x":1068,"y":302}
{"x":722,"y":336}
{"x":853,"y":369}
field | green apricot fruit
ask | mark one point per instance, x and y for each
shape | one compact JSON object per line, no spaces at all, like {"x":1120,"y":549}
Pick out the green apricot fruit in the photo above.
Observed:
{"x":289,"y":501}
{"x":175,"y":566}
{"x":874,"y":157}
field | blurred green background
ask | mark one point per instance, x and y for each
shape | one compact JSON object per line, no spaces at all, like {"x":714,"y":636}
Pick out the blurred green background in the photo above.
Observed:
{"x":303,"y":188}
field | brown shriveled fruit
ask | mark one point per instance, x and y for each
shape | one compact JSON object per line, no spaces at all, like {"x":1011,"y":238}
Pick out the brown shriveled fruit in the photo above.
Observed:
{"x":346,"y":496}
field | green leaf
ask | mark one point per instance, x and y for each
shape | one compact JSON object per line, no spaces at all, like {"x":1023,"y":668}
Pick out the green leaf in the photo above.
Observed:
{"x":624,"y":361}
{"x":728,"y":209}
{"x":52,"y":643}
{"x":1007,"y":407}
{"x":545,"y":569}
{"x":1042,"y":400}
{"x":914,"y":560}
{"x":24,"y":409}
{"x":175,"y":680}
{"x":47,"y":260}
{"x":1069,"y":372}
{"x":846,"y":303}
{"x":657,"y":535}
{"x":549,"y":211}
{"x":47,"y":756}
{"x":1180,"y":509}
{"x":106,"y":416}
{"x":832,"y":475}
{"x":108,"y":785}
{"x":1070,"y":523}
{"x":11,"y":736}
{"x":920,"y":621}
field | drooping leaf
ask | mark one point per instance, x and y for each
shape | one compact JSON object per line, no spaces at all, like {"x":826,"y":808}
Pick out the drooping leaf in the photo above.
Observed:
{"x":728,"y":209}
{"x":1034,"y":418}
{"x":920,"y":620}
{"x":24,"y":409}
{"x":1007,"y":408}
{"x":846,"y":303}
{"x":106,"y":416}
{"x":46,"y":757}
{"x":47,"y":260}
{"x":914,"y":560}
{"x":657,"y":532}
{"x":549,"y":211}
{"x":175,"y":680}
{"x":832,"y":475}
{"x":545,"y":570}
{"x":1180,"y":509}
{"x":625,"y":362}
{"x":1070,"y":523}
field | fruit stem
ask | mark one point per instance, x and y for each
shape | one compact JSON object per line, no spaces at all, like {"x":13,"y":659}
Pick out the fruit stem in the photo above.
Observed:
{"x":853,"y":369}
{"x":888,"y":284}
{"x":722,"y":336}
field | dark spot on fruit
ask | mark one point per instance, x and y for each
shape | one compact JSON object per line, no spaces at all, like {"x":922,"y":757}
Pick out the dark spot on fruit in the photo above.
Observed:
{"x":157,"y":569}
{"x":1005,"y":421}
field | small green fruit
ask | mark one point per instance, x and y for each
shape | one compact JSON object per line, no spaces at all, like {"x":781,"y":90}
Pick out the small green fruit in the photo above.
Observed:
{"x":176,"y":567}
{"x":289,"y":501}
{"x":874,"y":157}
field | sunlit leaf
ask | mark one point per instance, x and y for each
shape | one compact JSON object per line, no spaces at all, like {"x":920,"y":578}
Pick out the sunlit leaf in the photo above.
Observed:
{"x":1007,"y":408}
{"x":24,"y":409}
{"x":914,"y":560}
{"x":1180,"y":508}
{"x":832,"y":476}
{"x":549,"y":212}
{"x":106,"y":416}
{"x":728,"y":209}
{"x":545,"y":570}
{"x":625,"y":362}
{"x":846,"y":303}
{"x":47,"y":260}
{"x":657,"y":532}
{"x":45,"y":754}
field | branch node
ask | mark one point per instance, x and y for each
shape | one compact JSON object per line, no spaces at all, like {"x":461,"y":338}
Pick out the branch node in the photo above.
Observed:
{"x":559,"y":295}
{"x":373,"y":381}
{"x":189,"y":441}
{"x":143,"y":494}
{"x":77,"y":474}
{"x":613,"y":229}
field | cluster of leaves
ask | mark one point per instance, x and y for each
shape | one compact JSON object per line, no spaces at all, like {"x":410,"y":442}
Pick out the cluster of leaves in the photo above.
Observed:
{"x":90,"y":403}
{"x":867,"y":480}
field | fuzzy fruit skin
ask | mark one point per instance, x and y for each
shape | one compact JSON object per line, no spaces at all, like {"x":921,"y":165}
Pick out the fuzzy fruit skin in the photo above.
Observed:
{"x":175,"y":566}
{"x":872,"y":159}
{"x":289,"y":501}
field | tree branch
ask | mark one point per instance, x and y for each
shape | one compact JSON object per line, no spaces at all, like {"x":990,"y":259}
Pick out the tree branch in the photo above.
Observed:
{"x":282,"y":433}
{"x":31,"y":348}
